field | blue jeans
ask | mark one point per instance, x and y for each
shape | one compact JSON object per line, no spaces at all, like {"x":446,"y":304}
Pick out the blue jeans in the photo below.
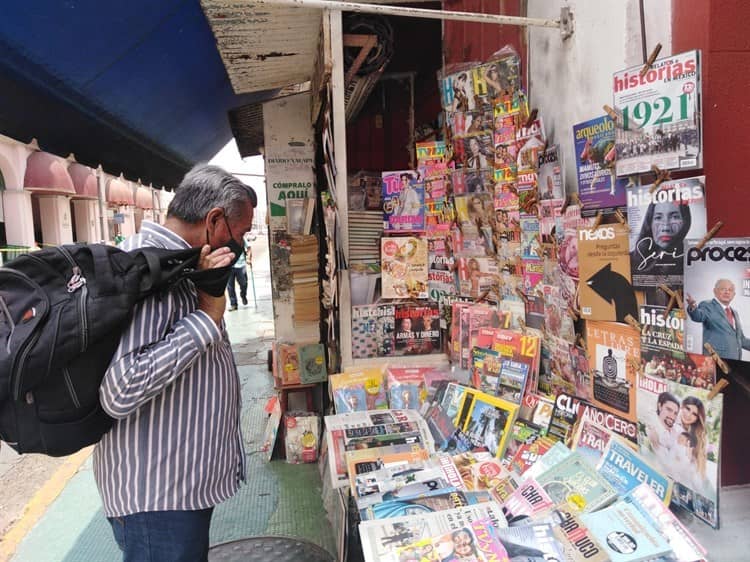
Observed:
{"x":163,"y":536}
{"x":238,"y":274}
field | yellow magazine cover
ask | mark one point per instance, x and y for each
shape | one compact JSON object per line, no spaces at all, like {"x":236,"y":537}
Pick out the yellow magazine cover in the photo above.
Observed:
{"x":359,"y":390}
{"x":487,"y":420}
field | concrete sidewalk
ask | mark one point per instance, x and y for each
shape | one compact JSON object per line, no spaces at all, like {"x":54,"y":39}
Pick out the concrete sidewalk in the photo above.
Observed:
{"x":278,"y":499}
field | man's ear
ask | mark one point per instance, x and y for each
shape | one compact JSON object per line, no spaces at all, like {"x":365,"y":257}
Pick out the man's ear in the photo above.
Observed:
{"x":213,"y":217}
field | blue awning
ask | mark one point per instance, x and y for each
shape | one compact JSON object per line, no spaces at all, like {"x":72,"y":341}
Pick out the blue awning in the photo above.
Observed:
{"x":136,"y":86}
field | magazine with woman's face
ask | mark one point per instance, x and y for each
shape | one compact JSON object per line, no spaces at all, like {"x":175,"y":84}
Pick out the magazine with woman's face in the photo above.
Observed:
{"x":659,"y":223}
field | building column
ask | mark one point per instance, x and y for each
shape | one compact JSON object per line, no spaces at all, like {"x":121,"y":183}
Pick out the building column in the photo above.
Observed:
{"x":19,"y":218}
{"x":86,"y":220}
{"x":127,"y":228}
{"x":55,"y":215}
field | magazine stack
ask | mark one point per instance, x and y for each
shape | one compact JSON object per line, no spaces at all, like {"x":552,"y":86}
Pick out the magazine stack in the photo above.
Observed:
{"x":581,"y":326}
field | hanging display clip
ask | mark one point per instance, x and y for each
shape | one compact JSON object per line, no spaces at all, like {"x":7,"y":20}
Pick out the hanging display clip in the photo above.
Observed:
{"x":718,"y":360}
{"x":650,"y":60}
{"x":720,"y":385}
{"x":661,"y":176}
{"x":710,"y":234}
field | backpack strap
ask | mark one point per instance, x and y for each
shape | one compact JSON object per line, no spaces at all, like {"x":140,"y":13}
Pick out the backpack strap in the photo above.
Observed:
{"x":162,"y":268}
{"x":105,"y":278}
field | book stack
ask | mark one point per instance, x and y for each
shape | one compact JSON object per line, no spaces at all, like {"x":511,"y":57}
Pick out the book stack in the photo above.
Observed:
{"x":365,"y":230}
{"x":303,"y":264}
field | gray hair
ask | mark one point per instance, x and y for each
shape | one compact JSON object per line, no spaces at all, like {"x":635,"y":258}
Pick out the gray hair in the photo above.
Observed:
{"x":205,"y":187}
{"x":718,"y":281}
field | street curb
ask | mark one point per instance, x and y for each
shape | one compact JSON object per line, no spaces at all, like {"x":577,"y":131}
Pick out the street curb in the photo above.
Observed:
{"x":37,"y":506}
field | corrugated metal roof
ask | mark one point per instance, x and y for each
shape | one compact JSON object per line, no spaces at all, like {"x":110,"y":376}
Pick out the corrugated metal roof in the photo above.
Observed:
{"x":263,"y":46}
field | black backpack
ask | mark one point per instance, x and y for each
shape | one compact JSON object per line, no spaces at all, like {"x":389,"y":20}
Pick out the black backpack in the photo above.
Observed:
{"x":62,"y":312}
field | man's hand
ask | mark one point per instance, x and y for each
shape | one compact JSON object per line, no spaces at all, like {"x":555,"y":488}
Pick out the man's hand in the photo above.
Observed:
{"x":213,"y":306}
{"x":690,"y":301}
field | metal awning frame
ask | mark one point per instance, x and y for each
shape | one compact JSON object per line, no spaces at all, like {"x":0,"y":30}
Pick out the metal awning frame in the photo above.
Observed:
{"x":564,"y":24}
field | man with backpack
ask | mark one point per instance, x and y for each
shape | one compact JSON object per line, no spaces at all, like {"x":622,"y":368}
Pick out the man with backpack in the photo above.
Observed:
{"x":175,"y":450}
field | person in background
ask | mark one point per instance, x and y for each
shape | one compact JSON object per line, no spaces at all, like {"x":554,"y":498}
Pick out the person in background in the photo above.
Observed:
{"x":175,"y":450}
{"x":238,"y":275}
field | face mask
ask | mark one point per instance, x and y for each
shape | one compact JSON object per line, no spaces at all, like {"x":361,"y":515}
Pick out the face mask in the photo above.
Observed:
{"x":214,"y":281}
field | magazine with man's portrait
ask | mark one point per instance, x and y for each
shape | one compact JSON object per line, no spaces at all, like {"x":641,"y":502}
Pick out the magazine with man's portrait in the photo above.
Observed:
{"x":717,"y":297}
{"x":680,"y":433}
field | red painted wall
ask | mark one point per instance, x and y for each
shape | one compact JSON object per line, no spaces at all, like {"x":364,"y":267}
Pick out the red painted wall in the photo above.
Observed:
{"x":465,"y":41}
{"x":719,"y":29}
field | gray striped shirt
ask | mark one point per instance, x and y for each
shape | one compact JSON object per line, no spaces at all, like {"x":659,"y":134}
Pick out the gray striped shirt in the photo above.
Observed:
{"x":174,"y":392}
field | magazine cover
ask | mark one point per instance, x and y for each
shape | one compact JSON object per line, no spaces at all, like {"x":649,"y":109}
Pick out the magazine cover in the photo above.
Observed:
{"x":373,"y":328}
{"x":362,"y":462}
{"x":404,"y":267}
{"x":476,"y":275}
{"x":312,"y":363}
{"x":457,"y":91}
{"x":431,"y":159}
{"x":352,"y":430}
{"x":381,"y":538}
{"x":717,"y":297}
{"x":683,"y":544}
{"x":663,"y":349}
{"x":488,"y":421}
{"x":573,"y":481}
{"x":417,"y":329}
{"x":680,"y":432}
{"x":530,"y":142}
{"x":625,"y":469}
{"x":528,"y":193}
{"x":525,"y":348}
{"x":577,"y":542}
{"x":522,"y":433}
{"x":528,"y":454}
{"x":531,"y":542}
{"x":475,"y":151}
{"x":590,"y":441}
{"x":496,"y":77}
{"x":594,"y":145}
{"x":288,"y":363}
{"x":550,"y":175}
{"x":301,"y":437}
{"x":605,"y":289}
{"x":528,"y":500}
{"x":406,"y":387}
{"x":661,"y":115}
{"x":614,"y":357}
{"x":476,"y":541}
{"x":485,"y":369}
{"x":659,"y":224}
{"x":359,"y":391}
{"x":441,"y":500}
{"x":403,"y":201}
{"x":625,"y":534}
{"x":511,"y":382}
{"x":506,"y":189}
{"x":537,"y":410}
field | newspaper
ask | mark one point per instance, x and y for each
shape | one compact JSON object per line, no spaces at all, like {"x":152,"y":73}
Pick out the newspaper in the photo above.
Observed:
{"x":382,"y":537}
{"x":344,"y":429}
